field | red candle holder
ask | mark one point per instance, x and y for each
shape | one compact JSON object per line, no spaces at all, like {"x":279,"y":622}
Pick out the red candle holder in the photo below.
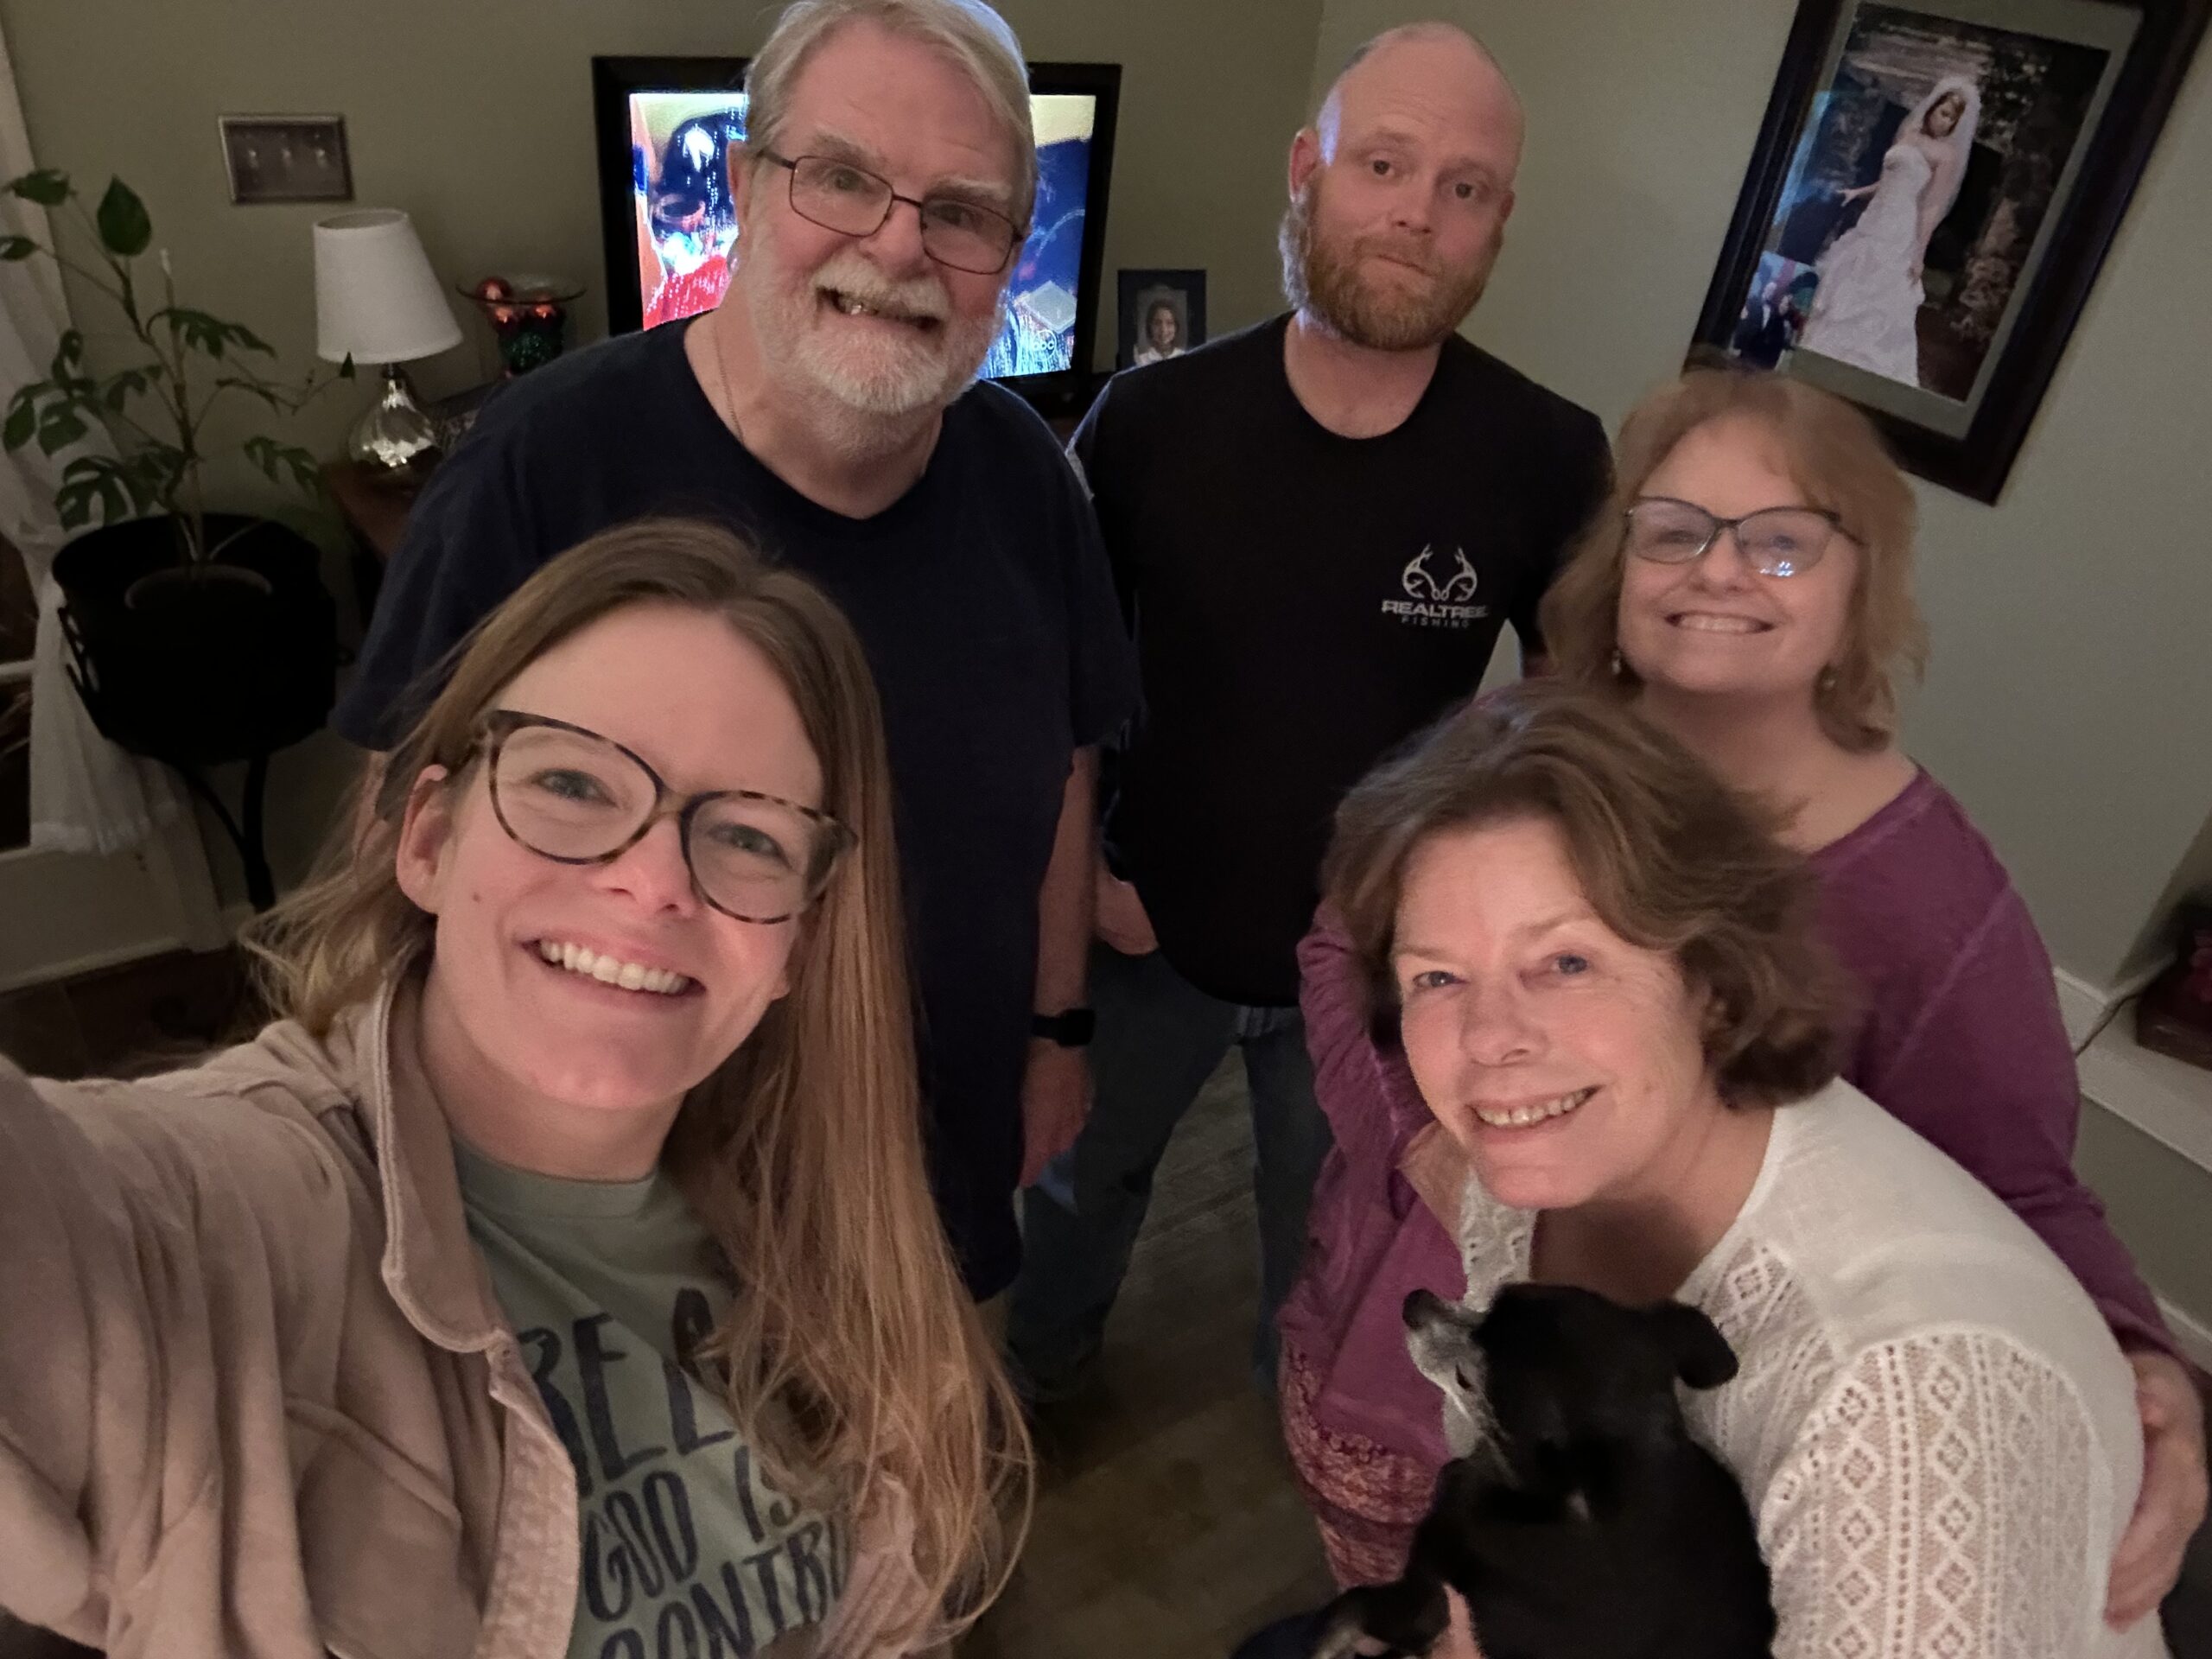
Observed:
{"x":529,"y":317}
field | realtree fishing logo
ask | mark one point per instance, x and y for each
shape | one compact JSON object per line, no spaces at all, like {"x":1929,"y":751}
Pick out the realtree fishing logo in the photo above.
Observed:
{"x":1437,"y":592}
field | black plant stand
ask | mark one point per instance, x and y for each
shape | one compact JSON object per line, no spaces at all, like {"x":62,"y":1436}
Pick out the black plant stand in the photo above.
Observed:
{"x":245,"y":829}
{"x":230,"y":664}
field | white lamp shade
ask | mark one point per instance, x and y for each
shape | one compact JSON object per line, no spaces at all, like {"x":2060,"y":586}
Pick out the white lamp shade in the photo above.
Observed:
{"x":376,"y":298}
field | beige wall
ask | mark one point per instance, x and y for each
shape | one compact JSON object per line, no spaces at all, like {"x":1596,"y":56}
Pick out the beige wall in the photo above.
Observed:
{"x":2067,"y":701}
{"x":476,"y":117}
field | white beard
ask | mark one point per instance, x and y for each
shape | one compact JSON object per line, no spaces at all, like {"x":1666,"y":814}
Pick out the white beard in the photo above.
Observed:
{"x":870,"y":392}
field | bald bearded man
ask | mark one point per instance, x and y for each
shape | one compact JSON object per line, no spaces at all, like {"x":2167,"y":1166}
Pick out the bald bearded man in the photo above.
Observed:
{"x":1319,"y":526}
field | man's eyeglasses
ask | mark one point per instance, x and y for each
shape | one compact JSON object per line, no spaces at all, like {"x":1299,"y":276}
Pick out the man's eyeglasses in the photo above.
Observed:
{"x":1774,"y":541}
{"x":572,"y":796}
{"x":839,"y":196}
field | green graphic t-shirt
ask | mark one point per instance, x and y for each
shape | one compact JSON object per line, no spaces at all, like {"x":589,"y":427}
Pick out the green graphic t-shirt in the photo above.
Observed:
{"x":686,"y":1548}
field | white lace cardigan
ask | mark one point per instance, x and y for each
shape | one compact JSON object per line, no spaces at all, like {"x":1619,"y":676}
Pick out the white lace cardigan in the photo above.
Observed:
{"x":1935,"y":1429}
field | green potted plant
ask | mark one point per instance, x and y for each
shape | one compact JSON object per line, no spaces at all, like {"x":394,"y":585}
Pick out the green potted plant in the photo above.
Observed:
{"x":196,"y":636}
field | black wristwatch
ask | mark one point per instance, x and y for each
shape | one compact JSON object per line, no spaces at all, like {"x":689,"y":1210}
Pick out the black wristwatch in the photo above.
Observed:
{"x":1069,"y":1029}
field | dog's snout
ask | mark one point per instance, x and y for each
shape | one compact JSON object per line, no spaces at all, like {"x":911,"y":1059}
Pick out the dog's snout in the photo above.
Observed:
{"x":1423,"y":1307}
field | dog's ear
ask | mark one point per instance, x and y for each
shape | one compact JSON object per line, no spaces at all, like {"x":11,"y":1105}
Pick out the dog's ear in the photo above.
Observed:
{"x":1702,"y":1355}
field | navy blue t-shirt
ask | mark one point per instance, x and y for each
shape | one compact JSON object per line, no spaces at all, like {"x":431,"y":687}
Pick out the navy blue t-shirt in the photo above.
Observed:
{"x":986,"y":605}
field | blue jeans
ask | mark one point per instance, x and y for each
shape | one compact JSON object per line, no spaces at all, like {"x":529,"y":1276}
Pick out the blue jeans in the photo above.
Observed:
{"x":1158,"y":1038}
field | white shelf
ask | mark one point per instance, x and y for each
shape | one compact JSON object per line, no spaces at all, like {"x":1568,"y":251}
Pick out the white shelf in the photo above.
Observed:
{"x":2168,"y":1100}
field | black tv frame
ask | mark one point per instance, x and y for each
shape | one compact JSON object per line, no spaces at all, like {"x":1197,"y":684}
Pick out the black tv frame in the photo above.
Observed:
{"x":614,"y":79}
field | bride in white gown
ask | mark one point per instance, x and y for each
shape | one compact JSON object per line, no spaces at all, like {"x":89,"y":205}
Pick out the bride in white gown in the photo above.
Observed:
{"x":1870,"y":290}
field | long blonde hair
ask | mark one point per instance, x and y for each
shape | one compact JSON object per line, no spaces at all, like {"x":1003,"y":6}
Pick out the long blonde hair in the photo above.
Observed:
{"x":802,"y":1154}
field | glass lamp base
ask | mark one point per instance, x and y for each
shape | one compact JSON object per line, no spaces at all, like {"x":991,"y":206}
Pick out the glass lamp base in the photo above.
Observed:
{"x":395,"y":435}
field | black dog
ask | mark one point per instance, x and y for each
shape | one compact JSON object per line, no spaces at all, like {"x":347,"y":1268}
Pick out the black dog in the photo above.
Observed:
{"x":1578,"y":1518}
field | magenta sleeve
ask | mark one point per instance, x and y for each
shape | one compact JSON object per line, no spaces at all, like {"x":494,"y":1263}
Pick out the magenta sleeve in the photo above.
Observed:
{"x":1983,"y":1069}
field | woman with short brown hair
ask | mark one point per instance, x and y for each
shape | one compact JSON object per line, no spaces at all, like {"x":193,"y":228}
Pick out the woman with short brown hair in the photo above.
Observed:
{"x":1673,"y":864}
{"x":1601,"y":970}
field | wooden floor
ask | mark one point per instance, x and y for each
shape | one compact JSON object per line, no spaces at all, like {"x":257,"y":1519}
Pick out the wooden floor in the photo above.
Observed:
{"x":1168,"y":1526}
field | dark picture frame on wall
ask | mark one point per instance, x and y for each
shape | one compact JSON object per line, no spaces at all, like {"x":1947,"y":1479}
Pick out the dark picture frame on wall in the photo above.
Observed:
{"x":1935,"y":186}
{"x":1163,"y":314}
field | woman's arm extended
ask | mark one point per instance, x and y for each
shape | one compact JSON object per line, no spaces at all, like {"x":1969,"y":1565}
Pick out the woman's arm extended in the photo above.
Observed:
{"x":150,"y":1259}
{"x":80,"y":1372}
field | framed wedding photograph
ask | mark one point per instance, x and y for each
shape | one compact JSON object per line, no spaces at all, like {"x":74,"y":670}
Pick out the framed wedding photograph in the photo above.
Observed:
{"x":1934,"y":190}
{"x":287,"y":158}
{"x":1163,"y":314}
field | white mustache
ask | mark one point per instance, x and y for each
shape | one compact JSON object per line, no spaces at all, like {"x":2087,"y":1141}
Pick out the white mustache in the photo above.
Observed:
{"x":852,"y":276}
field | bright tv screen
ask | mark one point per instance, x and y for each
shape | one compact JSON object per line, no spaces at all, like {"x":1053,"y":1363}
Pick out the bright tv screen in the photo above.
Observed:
{"x":681,"y":226}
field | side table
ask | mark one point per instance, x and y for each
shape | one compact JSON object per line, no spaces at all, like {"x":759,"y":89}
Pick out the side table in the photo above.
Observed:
{"x":375,"y":507}
{"x":246,"y":829}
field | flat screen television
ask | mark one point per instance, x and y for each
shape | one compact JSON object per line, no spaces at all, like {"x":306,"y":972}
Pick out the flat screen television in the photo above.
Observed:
{"x":665,"y":127}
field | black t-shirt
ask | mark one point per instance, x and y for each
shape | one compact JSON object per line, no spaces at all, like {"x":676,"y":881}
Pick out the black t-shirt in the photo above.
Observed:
{"x":988,"y":612}
{"x":1302,"y":603}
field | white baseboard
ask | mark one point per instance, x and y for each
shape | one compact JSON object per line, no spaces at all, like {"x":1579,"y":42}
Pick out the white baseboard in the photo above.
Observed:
{"x":93,"y":962}
{"x":2084,"y":1006}
{"x":2193,"y":1334}
{"x":2164,"y":1098}
{"x":231,"y":918}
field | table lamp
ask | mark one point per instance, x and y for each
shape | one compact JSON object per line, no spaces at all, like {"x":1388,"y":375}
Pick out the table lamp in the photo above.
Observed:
{"x":377,"y":301}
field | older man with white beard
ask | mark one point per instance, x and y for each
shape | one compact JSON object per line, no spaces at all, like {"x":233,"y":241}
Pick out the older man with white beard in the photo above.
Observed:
{"x":1321,"y":524}
{"x":828,"y":410}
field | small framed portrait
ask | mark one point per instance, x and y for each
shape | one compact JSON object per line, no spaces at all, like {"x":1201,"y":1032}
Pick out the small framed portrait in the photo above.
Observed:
{"x":1933,"y":189}
{"x":1163,"y":315}
{"x":287,"y":158}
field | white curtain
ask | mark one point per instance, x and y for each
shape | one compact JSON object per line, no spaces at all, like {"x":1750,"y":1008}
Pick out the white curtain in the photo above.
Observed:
{"x":87,"y":795}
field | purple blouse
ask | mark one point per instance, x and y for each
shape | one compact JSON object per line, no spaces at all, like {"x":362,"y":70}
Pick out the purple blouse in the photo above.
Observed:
{"x":1957,"y":1032}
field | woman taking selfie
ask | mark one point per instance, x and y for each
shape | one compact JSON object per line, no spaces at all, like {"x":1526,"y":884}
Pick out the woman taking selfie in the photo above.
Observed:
{"x":558,"y":1273}
{"x":1605,"y":981}
{"x":1748,"y":589}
